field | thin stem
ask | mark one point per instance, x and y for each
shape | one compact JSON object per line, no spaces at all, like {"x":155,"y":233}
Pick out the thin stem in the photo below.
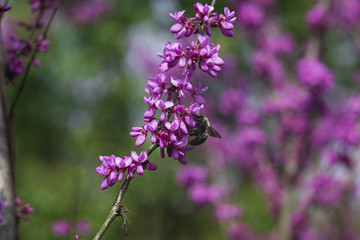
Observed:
{"x":116,"y":209}
{"x":29,"y":64}
{"x":37,"y":21}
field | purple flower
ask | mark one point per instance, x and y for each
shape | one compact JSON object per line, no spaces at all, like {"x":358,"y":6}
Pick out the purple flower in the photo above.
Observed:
{"x":109,"y":169}
{"x":287,"y":98}
{"x":183,"y":86}
{"x":227,"y":211}
{"x":239,"y":232}
{"x":225,"y":22}
{"x":347,"y":12}
{"x":191,"y":175}
{"x":202,"y":194}
{"x":61,"y":228}
{"x":314,"y":74}
{"x":156,"y":85}
{"x":346,"y":130}
{"x":209,"y":61}
{"x":163,"y":106}
{"x":230,"y":101}
{"x":152,"y":128}
{"x":317,"y":17}
{"x":37,"y":4}
{"x":268,"y":66}
{"x":250,"y":15}
{"x":124,"y":165}
{"x":83,"y":227}
{"x":43,"y":45}
{"x":202,"y":11}
{"x":137,"y":162}
{"x":16,"y":66}
{"x":196,"y":93}
{"x":337,"y":156}
{"x":326,"y":190}
{"x":140,"y":133}
{"x":5,"y":8}
{"x":267,"y":178}
{"x":183,"y":26}
{"x":77,"y":238}
{"x":23,"y":209}
{"x":87,"y":12}
{"x":278,"y":44}
{"x":172,"y":55}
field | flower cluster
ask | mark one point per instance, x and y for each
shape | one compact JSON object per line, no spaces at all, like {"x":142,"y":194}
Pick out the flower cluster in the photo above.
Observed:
{"x":114,"y":168}
{"x":23,"y":210}
{"x":204,"y":18}
{"x":168,"y":120}
{"x":19,"y":48}
{"x":202,"y":52}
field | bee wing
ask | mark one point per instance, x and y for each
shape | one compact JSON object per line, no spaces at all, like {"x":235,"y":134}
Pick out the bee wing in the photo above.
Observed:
{"x":213,"y":133}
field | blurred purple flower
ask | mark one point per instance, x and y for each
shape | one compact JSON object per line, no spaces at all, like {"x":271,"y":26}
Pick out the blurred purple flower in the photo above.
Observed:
{"x":202,"y":194}
{"x":5,"y":8}
{"x":268,"y":66}
{"x":225,"y":212}
{"x":61,"y":228}
{"x":317,"y":17}
{"x":279,"y":44}
{"x":347,"y":12}
{"x":83,"y":227}
{"x":90,"y":11}
{"x":191,"y":175}
{"x":250,"y":15}
{"x":238,"y":231}
{"x":314,"y":74}
{"x":23,"y":210}
{"x":326,"y":190}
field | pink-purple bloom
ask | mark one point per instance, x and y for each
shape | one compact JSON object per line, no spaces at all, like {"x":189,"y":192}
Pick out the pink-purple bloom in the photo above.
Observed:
{"x":23,"y":210}
{"x":113,"y":168}
{"x":5,"y":8}
{"x":317,"y":18}
{"x":61,"y":228}
{"x":314,"y":74}
{"x":250,"y":15}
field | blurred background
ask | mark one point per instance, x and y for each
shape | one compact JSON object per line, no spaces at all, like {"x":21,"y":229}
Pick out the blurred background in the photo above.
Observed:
{"x":82,"y":103}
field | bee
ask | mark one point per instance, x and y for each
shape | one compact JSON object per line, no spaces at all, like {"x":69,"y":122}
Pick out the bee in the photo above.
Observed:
{"x":202,"y":130}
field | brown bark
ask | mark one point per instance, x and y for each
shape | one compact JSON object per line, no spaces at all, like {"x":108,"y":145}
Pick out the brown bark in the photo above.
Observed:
{"x":8,"y":227}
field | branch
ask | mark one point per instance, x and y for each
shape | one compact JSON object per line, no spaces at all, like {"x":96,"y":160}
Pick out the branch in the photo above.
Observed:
{"x":116,"y":209}
{"x":30,"y":63}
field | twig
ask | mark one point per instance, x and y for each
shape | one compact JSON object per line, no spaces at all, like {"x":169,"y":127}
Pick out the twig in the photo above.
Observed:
{"x":30,"y":63}
{"x":116,"y":209}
